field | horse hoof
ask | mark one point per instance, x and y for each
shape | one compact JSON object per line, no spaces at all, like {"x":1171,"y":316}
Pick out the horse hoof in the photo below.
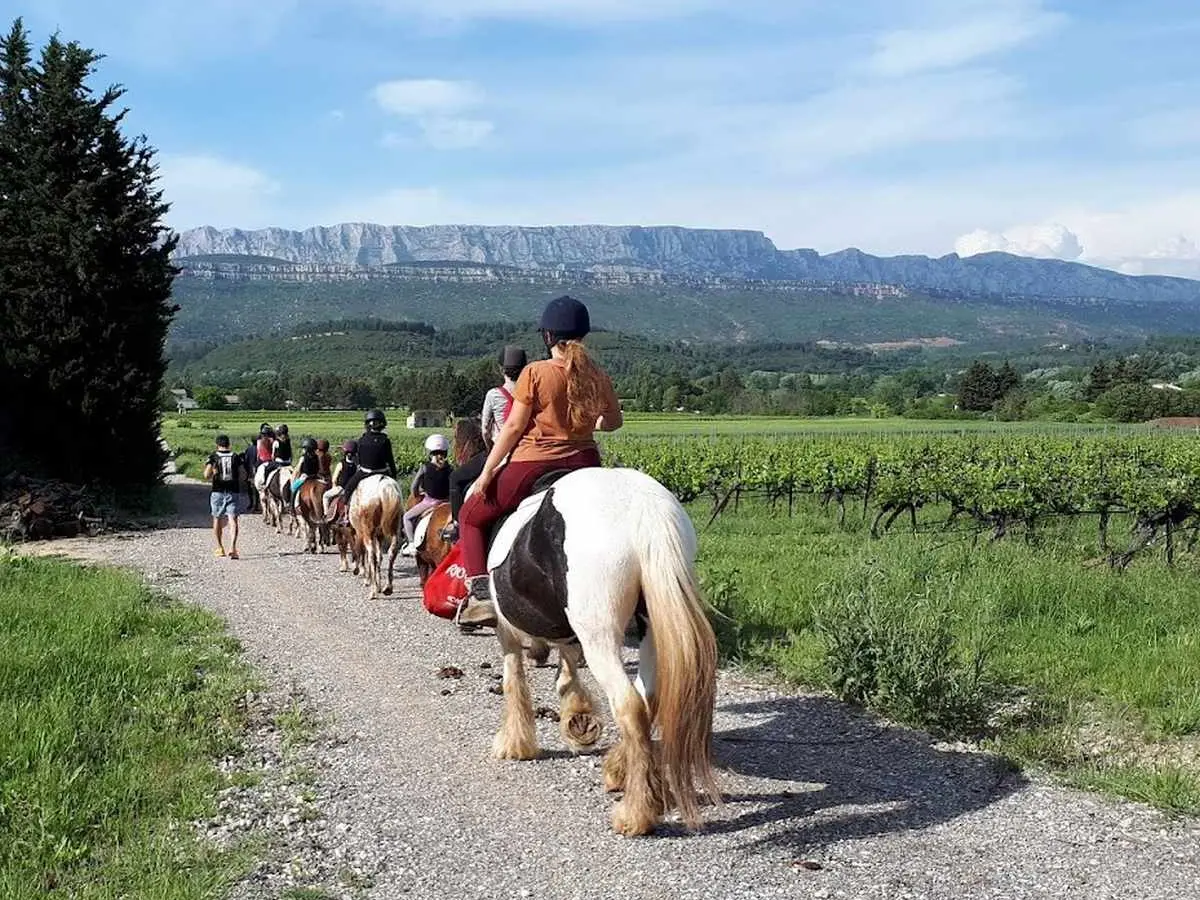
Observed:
{"x":581,"y":730}
{"x":387,"y":591}
{"x":632,"y":822}
{"x":513,"y":749}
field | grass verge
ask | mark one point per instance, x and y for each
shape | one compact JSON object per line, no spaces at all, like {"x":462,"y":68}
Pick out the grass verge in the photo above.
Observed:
{"x":113,"y":704}
{"x":1027,"y":646}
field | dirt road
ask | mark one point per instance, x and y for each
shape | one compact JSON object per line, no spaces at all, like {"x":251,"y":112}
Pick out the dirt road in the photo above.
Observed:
{"x":822,"y":801}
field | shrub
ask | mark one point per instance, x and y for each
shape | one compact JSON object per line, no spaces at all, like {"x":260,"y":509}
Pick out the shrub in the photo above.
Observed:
{"x":895,"y":651}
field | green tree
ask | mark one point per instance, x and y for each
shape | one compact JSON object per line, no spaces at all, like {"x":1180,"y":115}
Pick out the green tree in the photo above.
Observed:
{"x":1007,"y":380}
{"x":978,"y":389}
{"x":1099,"y":381}
{"x":85,"y":271}
{"x":209,"y":397}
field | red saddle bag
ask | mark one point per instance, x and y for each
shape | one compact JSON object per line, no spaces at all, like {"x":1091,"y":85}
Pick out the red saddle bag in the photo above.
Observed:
{"x":446,"y":588}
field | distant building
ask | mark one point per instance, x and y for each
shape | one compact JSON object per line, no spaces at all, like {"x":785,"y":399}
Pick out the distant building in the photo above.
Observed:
{"x":427,"y":418}
{"x":184,"y":404}
{"x":233,"y":400}
{"x":1188,"y":422}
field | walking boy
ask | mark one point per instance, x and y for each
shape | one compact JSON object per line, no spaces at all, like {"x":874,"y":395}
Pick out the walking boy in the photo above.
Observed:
{"x":225,"y":469}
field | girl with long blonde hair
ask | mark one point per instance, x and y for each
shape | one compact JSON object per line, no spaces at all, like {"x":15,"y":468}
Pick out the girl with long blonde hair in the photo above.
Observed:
{"x":558,"y":405}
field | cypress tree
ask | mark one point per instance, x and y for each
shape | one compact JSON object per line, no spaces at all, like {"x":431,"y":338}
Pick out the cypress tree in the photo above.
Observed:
{"x":978,"y":389}
{"x":85,"y":271}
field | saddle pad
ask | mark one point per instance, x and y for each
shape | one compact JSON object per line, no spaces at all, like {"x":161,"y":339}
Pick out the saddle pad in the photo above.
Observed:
{"x":422,"y":527}
{"x":446,"y":589}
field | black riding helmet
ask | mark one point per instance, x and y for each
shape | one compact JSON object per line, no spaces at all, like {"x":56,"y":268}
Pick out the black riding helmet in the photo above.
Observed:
{"x":265,"y":430}
{"x":308,"y":445}
{"x":376,"y":420}
{"x":564,"y":319}
{"x":281,"y":431}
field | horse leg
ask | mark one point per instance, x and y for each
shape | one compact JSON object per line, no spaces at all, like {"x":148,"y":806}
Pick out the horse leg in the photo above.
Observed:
{"x":517,"y":737}
{"x":643,"y":805}
{"x":614,"y":760}
{"x":577,"y":723}
{"x":393,"y":550}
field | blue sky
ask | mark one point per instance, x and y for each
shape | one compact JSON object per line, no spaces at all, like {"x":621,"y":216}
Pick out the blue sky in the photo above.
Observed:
{"x":1067,"y":129}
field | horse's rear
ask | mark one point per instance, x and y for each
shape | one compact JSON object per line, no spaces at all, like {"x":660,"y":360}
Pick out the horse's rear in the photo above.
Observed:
{"x":310,"y":505}
{"x":375,"y":511}
{"x":596,"y":551}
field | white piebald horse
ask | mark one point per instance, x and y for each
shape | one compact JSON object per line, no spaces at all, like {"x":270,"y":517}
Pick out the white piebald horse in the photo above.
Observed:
{"x":574,"y":565}
{"x":270,"y":493}
{"x":375,"y":510}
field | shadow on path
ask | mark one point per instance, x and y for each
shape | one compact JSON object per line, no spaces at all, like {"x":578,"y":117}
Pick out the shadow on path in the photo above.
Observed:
{"x":838,"y":775}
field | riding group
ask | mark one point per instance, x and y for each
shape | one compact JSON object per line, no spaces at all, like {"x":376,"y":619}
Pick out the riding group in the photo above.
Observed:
{"x":554,"y":550}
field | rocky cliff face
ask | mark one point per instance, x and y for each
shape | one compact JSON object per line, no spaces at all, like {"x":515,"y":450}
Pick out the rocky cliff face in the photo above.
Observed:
{"x":686,"y":252}
{"x":681,"y":250}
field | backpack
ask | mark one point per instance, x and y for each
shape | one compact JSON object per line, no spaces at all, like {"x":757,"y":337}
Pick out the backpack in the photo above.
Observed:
{"x":225,"y":466}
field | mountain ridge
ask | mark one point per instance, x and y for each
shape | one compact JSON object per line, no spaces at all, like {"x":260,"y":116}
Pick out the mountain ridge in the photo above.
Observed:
{"x":677,"y":250}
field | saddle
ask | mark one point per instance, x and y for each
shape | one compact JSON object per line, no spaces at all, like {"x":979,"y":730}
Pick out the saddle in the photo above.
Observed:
{"x":544,"y":483}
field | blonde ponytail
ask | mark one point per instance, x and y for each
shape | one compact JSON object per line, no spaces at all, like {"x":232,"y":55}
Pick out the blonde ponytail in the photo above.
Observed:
{"x":585,"y":396}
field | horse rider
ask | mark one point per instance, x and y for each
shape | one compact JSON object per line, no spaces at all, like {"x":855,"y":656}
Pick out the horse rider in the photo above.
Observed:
{"x":342,"y":473}
{"x":281,"y":449}
{"x":375,"y":456}
{"x":266,"y":443}
{"x":558,"y":405}
{"x":325,"y":459}
{"x":498,"y":401}
{"x":431,"y":484}
{"x":496,"y":405}
{"x":309,"y":467}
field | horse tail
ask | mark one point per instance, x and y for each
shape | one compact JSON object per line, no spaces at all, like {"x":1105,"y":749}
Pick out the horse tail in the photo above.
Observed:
{"x":686,"y":650}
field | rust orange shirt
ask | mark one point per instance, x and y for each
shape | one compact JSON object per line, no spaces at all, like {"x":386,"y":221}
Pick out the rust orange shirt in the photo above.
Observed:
{"x":548,"y":436}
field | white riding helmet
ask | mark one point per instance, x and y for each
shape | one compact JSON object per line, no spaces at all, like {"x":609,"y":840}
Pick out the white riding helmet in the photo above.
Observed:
{"x":437,"y":443}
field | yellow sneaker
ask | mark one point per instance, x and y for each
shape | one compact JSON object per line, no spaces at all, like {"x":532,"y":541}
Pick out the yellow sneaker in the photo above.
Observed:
{"x":219,"y":551}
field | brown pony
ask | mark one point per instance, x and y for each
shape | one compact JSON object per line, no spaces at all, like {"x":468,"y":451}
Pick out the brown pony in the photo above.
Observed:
{"x":350,"y":547}
{"x":310,"y":505}
{"x":433,"y":547}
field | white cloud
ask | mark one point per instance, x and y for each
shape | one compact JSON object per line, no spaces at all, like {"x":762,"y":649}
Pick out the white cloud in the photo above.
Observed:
{"x":208,"y":190}
{"x":425,"y":96}
{"x":432,"y":105}
{"x":880,"y":117}
{"x":1051,"y":241}
{"x":993,"y":29}
{"x":1160,"y":236}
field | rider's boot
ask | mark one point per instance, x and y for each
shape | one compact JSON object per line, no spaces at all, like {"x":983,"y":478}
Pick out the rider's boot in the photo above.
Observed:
{"x":450,"y":533}
{"x":477,"y":609}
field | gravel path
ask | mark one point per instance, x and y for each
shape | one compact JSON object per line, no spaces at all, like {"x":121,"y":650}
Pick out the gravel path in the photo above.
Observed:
{"x":822,"y":801}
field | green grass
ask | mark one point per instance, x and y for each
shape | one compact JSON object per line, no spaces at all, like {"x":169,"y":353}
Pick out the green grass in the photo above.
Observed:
{"x":1076,"y":648}
{"x":113,"y":704}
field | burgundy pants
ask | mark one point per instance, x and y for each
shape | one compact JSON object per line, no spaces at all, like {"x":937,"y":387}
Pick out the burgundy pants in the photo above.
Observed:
{"x":511,"y":485}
